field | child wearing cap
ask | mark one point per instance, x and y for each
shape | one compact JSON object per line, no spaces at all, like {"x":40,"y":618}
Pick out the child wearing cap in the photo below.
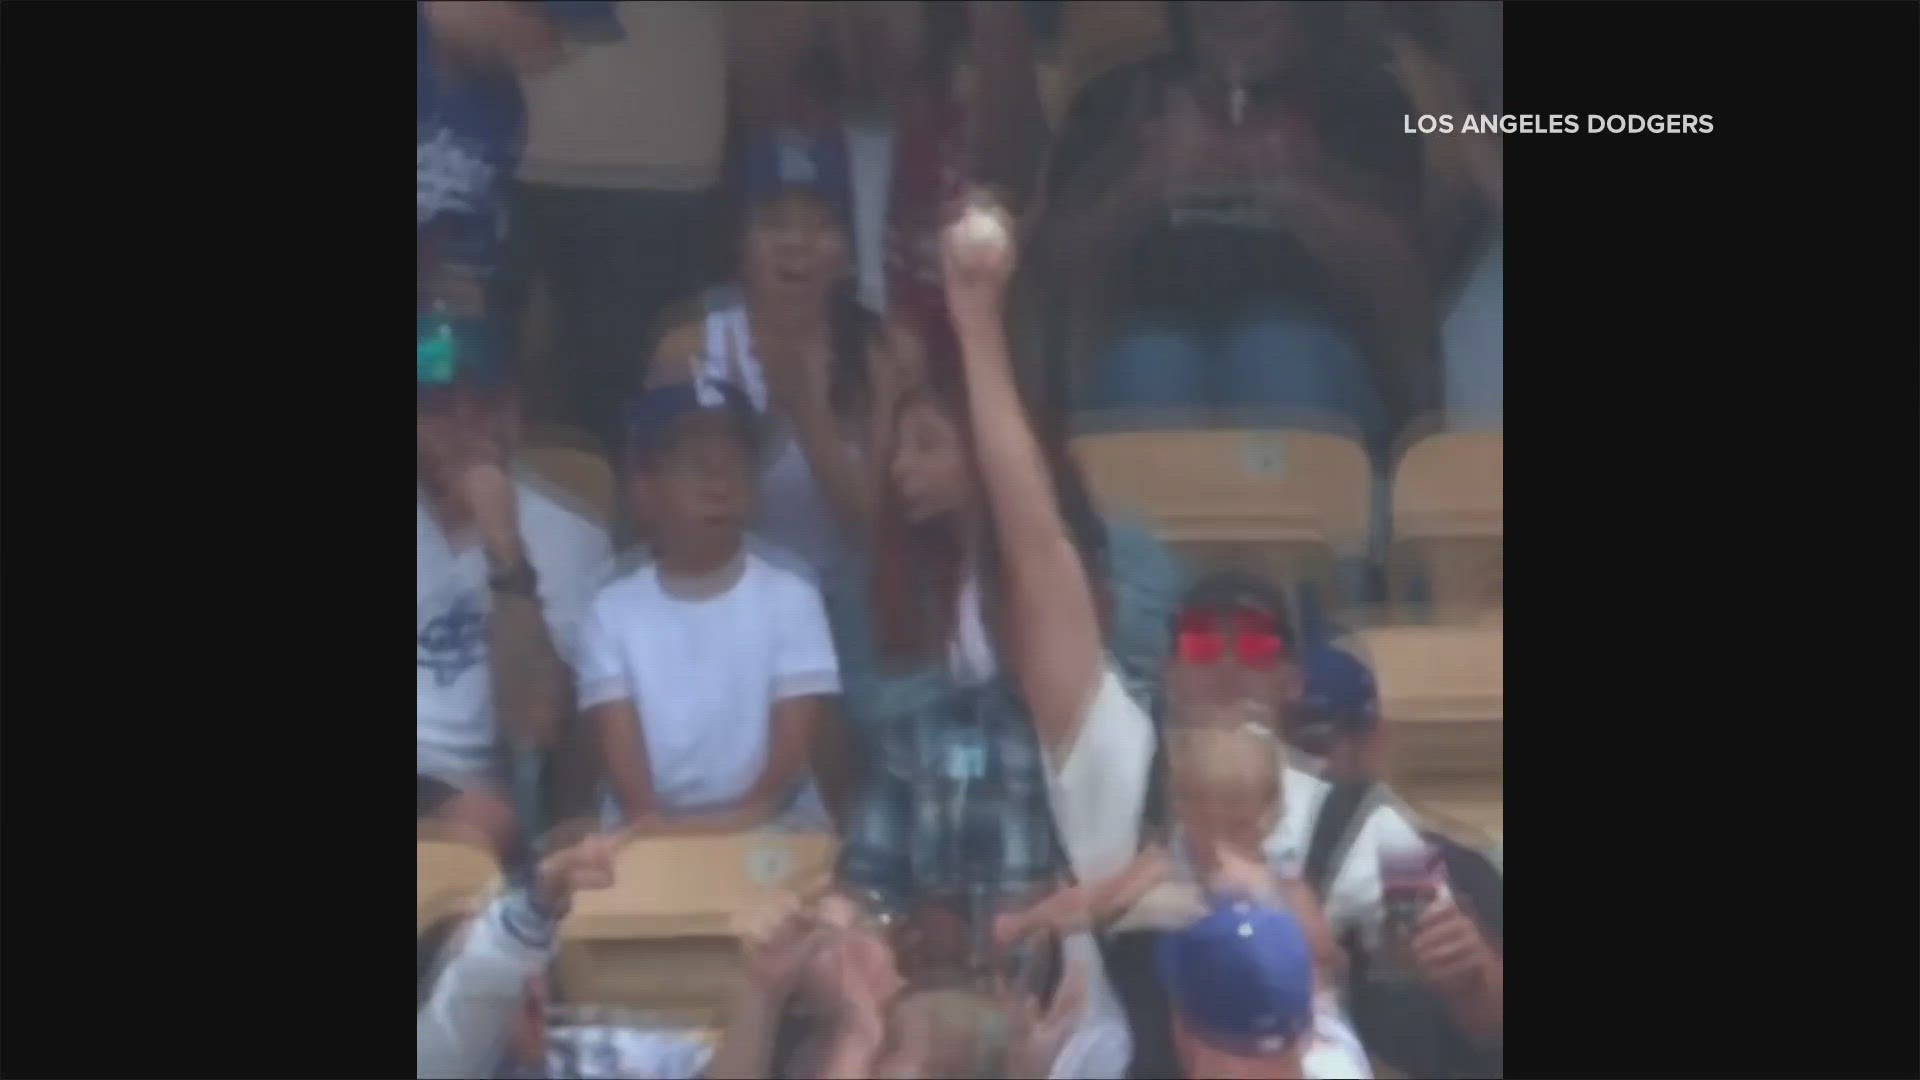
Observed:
{"x":1241,"y":980}
{"x":706,"y":670}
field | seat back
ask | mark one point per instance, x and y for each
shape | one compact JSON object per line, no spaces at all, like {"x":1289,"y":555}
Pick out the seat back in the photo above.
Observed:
{"x":1442,"y":697}
{"x":1283,"y":503}
{"x":450,"y":879}
{"x":1449,"y":510}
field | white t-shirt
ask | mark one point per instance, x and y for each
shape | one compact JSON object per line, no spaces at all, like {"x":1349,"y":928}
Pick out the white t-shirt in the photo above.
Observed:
{"x":1335,"y":1052}
{"x":1353,"y":900}
{"x":705,"y":674}
{"x":455,"y":732}
{"x":1097,"y":794}
{"x":970,"y":656}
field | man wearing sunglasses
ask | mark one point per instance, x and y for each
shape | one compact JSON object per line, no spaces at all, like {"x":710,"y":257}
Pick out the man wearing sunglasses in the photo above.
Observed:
{"x":1237,"y":659}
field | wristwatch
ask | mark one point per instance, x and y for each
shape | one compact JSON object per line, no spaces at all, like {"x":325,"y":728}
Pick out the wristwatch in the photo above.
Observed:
{"x":513,"y":579}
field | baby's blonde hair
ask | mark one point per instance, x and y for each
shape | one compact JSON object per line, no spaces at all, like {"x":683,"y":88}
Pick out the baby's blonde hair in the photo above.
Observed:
{"x":1237,"y":755}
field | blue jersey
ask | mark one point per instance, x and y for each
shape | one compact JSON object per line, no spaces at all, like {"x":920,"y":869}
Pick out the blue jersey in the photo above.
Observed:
{"x":471,"y":130}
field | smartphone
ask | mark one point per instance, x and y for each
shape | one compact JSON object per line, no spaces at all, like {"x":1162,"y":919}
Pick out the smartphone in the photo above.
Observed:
{"x":1409,"y":881}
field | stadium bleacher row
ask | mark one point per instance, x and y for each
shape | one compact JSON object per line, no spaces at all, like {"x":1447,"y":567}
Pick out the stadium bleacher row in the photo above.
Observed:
{"x":1289,"y":500}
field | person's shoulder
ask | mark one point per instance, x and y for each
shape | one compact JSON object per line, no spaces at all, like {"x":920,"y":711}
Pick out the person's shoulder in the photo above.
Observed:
{"x":1391,"y":822}
{"x":1305,"y":791}
{"x":782,"y":573}
{"x":551,"y":515}
{"x":636,"y":588}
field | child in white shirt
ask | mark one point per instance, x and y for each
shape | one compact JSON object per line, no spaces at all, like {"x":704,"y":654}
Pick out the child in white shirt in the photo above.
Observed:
{"x":707,"y":670}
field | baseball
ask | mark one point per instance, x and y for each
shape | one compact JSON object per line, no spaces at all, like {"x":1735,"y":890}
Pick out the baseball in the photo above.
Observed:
{"x":981,"y":230}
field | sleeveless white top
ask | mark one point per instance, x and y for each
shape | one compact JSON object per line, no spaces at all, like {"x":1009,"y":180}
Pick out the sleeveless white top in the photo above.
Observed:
{"x":792,"y":512}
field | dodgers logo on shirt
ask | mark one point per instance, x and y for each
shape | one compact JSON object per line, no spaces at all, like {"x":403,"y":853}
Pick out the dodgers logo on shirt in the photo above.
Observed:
{"x":453,"y":641}
{"x":451,"y":175}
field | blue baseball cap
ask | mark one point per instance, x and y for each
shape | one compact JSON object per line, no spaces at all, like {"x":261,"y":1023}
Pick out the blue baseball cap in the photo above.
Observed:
{"x":1241,"y":978}
{"x":585,"y":20}
{"x":773,"y":163}
{"x":653,"y":414}
{"x":1338,"y":691}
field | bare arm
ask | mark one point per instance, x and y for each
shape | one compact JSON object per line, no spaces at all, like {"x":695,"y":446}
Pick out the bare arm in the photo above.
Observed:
{"x":746,"y":1049}
{"x":529,"y":678}
{"x":625,"y":751}
{"x":1056,"y":647}
{"x":842,"y":475}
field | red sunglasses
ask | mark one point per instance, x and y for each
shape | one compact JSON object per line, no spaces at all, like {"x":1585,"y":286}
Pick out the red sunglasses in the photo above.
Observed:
{"x":1202,"y":637}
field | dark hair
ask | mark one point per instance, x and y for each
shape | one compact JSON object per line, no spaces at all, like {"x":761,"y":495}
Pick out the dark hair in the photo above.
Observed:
{"x":644,"y":454}
{"x":917,"y":569}
{"x":851,"y":325}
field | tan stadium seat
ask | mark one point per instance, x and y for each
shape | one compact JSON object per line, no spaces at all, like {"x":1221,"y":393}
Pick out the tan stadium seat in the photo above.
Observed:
{"x":451,"y":878}
{"x":1443,"y":699}
{"x":1449,"y":512}
{"x":664,"y":939}
{"x":582,"y":477}
{"x":1281,"y":502}
{"x":1472,"y":812}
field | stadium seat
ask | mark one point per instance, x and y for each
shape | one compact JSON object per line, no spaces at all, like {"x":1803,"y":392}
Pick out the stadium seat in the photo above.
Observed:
{"x":1471,"y":812}
{"x":1285,"y":503}
{"x":450,"y":878}
{"x":581,"y":476}
{"x":664,"y":939}
{"x":1449,"y":508}
{"x":1443,"y":700}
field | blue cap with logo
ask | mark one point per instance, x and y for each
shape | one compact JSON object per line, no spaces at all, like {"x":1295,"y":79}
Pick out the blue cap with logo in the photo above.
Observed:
{"x":1337,"y":690}
{"x":787,"y":159}
{"x":1241,"y":978}
{"x":653,"y":414}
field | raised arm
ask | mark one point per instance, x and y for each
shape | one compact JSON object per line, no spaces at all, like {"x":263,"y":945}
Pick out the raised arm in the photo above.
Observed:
{"x":1056,"y":649}
{"x":529,"y":677}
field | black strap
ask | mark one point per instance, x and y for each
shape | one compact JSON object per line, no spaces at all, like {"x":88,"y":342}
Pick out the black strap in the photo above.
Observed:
{"x":1334,"y":830}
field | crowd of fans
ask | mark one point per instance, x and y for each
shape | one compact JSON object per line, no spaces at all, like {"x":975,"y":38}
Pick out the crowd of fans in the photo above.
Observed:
{"x":832,"y":284}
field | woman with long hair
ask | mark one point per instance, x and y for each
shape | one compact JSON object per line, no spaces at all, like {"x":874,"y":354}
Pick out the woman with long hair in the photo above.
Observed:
{"x":809,"y":354}
{"x":1008,"y":751}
